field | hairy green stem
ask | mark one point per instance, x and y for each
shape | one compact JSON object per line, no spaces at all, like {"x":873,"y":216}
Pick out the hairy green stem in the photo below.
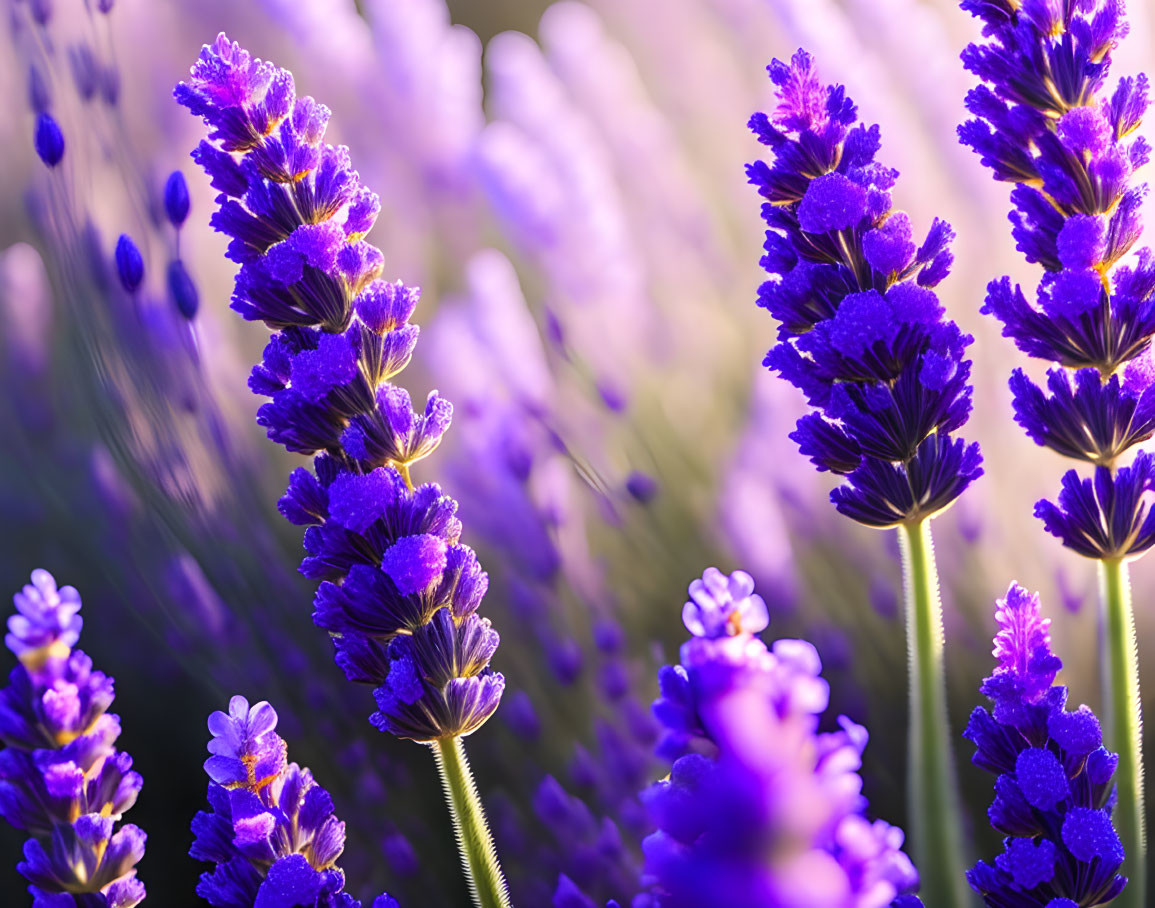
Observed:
{"x":478,"y":856}
{"x":1123,"y":725}
{"x":932,"y":791}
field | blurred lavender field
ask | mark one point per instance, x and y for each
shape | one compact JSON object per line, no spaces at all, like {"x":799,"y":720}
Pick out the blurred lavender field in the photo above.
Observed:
{"x":565,"y":183}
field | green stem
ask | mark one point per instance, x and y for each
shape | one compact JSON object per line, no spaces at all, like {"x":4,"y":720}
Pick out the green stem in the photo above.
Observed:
{"x":478,"y":856}
{"x":1123,"y":725}
{"x":932,"y":790}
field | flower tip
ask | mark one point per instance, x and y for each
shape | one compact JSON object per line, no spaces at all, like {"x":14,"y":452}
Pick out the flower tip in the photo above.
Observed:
{"x":176,"y":198}
{"x":182,"y":289}
{"x":47,"y":622}
{"x":129,"y":264}
{"x":48,"y":140}
{"x":724,"y":606}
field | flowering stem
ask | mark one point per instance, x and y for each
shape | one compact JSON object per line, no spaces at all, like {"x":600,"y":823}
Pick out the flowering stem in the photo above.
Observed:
{"x":1124,"y":723}
{"x":478,"y":856}
{"x":932,"y":791}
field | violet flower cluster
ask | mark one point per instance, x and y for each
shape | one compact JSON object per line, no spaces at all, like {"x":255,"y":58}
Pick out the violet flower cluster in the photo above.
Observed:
{"x":271,"y":831}
{"x":62,"y":779}
{"x":760,"y":808}
{"x":1044,"y":122}
{"x":1055,"y":789}
{"x":399,"y":592}
{"x":861,"y":331}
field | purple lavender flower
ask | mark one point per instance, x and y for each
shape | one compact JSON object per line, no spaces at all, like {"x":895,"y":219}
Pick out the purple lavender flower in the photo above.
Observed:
{"x":861,"y":333}
{"x":1054,"y":790}
{"x":399,"y":592}
{"x":1044,"y":121}
{"x":863,"y":336}
{"x":61,"y":777}
{"x":760,"y":809}
{"x":271,"y":831}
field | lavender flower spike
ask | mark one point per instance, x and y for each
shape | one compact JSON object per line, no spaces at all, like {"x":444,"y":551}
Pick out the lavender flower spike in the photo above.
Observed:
{"x":1055,"y":790}
{"x":1046,"y":120}
{"x":271,"y":832}
{"x":863,"y":336}
{"x":761,"y":810}
{"x":399,"y":592}
{"x":861,"y":332}
{"x":61,"y":777}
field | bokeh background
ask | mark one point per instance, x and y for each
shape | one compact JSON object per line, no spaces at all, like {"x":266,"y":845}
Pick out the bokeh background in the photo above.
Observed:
{"x":565,"y":182}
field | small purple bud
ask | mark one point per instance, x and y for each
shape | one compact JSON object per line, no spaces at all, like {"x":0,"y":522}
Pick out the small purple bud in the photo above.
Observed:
{"x":608,"y":636}
{"x":642,"y":487}
{"x":41,"y":11}
{"x":176,"y":201}
{"x":521,"y":717}
{"x":565,"y":658}
{"x":49,"y":140}
{"x":110,"y":85}
{"x":129,"y":264}
{"x":85,"y":70}
{"x":105,"y":6}
{"x":613,"y":681}
{"x":182,"y":289}
{"x":554,"y":330}
{"x":612,"y":396}
{"x":400,"y":855}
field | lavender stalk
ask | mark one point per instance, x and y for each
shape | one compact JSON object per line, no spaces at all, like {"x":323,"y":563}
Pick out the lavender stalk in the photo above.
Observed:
{"x":864,"y":337}
{"x":1119,"y":666}
{"x":399,"y":593}
{"x":478,"y":856}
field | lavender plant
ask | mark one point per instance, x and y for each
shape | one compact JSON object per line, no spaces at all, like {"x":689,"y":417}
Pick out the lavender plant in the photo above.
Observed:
{"x":62,"y":780}
{"x":399,"y":593}
{"x":1044,"y":121}
{"x":1054,"y":791}
{"x":272,"y":833}
{"x":863,"y":336}
{"x":760,"y":808}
